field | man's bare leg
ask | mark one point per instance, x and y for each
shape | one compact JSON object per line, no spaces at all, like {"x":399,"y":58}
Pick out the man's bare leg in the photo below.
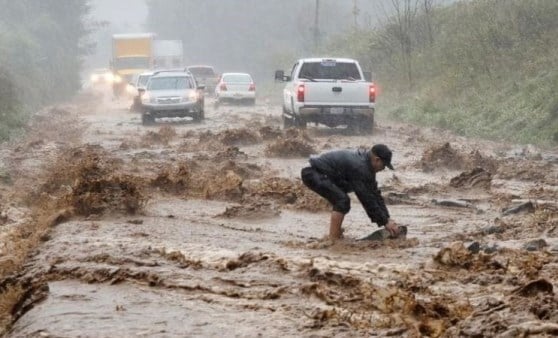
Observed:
{"x":335,"y":231}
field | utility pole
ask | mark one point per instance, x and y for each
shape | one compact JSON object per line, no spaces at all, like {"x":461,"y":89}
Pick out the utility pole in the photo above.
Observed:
{"x":316,"y":26}
{"x":356,"y":11}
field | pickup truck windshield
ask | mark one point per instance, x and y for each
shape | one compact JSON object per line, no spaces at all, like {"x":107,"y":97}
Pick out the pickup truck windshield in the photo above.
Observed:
{"x":330,"y":71}
{"x":170,"y":83}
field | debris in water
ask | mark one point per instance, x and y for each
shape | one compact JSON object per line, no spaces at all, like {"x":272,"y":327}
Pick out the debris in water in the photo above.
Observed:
{"x":383,"y":234}
{"x":526,"y":207}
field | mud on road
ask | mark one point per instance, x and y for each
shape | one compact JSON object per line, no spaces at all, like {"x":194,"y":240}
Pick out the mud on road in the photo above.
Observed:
{"x":110,"y":228}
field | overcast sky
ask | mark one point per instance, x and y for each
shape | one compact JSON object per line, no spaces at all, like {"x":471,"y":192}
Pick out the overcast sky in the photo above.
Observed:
{"x":121,"y":16}
{"x":127,"y":15}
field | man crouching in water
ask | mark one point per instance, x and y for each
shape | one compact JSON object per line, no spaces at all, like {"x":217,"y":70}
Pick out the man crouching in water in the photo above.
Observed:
{"x":335,"y":173}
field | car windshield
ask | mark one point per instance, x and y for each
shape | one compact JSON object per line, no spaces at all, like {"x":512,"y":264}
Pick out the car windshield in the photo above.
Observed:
{"x":142,"y":81}
{"x":237,"y":78}
{"x":170,"y":83}
{"x":329,"y":70}
{"x":201,"y":71}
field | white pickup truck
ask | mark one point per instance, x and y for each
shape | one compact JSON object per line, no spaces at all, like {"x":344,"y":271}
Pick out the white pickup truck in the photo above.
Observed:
{"x":330,"y":91}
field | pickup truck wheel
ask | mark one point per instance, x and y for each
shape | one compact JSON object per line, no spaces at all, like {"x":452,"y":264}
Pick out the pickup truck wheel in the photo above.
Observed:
{"x":299,"y":123}
{"x":287,"y":122}
{"x":361,"y":126}
{"x":366,"y":126}
{"x":147,"y":119}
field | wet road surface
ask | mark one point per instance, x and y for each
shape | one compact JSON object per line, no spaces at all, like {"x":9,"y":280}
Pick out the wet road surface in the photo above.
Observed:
{"x":204,"y":229}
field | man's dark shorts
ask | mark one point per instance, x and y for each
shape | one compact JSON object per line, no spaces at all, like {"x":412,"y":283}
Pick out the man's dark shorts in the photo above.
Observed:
{"x":325,"y":187}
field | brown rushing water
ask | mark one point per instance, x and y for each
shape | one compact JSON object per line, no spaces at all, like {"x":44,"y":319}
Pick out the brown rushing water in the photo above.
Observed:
{"x":186,"y":229}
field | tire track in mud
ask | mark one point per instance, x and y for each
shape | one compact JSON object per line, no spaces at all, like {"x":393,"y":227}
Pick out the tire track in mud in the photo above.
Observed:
{"x":226,"y":239}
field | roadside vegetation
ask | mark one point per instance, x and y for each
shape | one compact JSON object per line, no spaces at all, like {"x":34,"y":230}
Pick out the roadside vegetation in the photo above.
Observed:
{"x":41,"y":44}
{"x":482,"y":68}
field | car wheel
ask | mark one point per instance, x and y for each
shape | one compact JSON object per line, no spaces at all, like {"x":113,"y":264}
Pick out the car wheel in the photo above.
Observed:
{"x":200,"y":116}
{"x":147,"y":119}
{"x":136,"y":105}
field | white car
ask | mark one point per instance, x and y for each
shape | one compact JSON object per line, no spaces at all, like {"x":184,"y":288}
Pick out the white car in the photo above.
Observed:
{"x":235,"y":87}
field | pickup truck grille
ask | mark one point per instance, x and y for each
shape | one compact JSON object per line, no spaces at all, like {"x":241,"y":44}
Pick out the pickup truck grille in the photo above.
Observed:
{"x":168,"y":100}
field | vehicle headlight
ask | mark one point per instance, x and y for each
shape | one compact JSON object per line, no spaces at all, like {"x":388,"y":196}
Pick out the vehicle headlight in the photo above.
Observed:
{"x":117,"y":78}
{"x":109,"y":77}
{"x":145,"y":98}
{"x":193,"y":96}
{"x":94,"y":78}
{"x":130,"y":89}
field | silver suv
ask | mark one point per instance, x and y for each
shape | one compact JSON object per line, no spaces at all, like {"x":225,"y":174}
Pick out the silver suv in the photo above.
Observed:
{"x":172,"y":94}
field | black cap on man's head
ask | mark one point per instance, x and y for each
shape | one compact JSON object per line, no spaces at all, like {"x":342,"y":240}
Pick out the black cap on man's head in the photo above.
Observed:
{"x":383,"y":152}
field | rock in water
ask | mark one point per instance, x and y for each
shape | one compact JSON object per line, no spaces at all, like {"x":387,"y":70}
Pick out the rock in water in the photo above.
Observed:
{"x":535,"y":245}
{"x":383,"y":234}
{"x":526,"y":207}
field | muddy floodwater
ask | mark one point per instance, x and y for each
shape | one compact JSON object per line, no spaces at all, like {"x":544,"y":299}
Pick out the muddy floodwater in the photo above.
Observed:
{"x":205,"y":229}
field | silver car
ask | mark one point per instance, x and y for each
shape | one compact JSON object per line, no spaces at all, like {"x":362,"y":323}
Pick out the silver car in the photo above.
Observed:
{"x":139,"y":81}
{"x":172,"y":94}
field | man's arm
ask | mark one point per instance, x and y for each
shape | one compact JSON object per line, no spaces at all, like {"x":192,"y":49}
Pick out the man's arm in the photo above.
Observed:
{"x":381,"y":202}
{"x":372,"y":201}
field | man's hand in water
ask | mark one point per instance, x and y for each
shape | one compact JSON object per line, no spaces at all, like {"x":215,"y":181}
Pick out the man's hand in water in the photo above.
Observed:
{"x":392,"y":228}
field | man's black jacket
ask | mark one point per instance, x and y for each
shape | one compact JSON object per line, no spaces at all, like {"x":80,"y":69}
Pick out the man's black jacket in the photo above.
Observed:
{"x":351,"y":170}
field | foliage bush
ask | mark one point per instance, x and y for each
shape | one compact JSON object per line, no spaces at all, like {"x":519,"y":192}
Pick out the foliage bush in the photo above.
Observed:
{"x":488,"y":69}
{"x":41,"y":44}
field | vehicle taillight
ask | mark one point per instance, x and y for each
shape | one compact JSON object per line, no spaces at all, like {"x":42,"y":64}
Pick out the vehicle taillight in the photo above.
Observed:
{"x":372,"y":93}
{"x":252,"y":87}
{"x":223,"y":86}
{"x":300,"y":93}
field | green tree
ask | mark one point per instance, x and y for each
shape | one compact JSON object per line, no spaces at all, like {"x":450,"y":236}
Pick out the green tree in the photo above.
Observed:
{"x":41,"y":46}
